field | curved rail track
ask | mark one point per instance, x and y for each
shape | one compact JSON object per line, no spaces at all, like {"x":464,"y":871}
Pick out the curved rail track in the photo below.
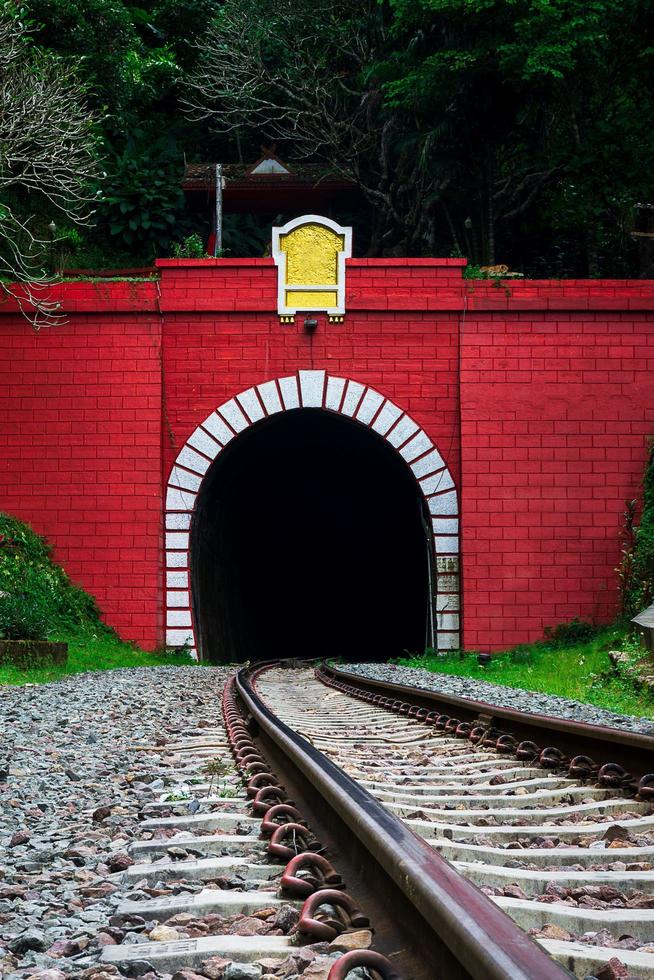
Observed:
{"x":329,"y":838}
{"x":563,"y":845}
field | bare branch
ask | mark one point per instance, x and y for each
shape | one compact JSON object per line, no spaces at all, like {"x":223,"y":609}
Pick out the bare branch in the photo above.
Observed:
{"x":299,"y":74}
{"x":47,"y":149}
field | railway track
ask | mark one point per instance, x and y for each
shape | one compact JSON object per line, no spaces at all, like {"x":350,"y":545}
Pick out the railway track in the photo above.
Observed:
{"x":239,"y":874}
{"x":568,"y":857}
{"x":315,"y":836}
{"x":230,"y":880}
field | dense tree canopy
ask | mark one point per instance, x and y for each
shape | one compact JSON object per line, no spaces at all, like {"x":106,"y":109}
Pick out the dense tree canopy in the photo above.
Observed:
{"x":509,"y":131}
{"x":542,"y":116}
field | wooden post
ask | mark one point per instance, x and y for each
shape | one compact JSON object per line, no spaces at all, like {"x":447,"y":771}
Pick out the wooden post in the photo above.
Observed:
{"x":218,"y":242}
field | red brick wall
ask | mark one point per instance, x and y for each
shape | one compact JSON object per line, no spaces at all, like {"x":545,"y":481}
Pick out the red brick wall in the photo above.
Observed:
{"x":555,"y":400}
{"x":80,"y":438}
{"x":557,"y":408}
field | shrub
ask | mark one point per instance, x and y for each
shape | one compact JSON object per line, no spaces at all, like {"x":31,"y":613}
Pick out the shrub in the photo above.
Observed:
{"x":191,"y":248}
{"x":22,"y":617}
{"x":636,"y":570}
{"x":142,"y":197}
{"x":569,"y":634}
{"x":36,"y":596}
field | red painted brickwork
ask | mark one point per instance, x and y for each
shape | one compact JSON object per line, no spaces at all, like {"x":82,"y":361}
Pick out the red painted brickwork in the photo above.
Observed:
{"x":557,"y":409}
{"x":80,"y":436}
{"x":538,"y":396}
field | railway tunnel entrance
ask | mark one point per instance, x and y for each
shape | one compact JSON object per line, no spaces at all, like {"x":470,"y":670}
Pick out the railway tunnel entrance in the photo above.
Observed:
{"x":309,"y":538}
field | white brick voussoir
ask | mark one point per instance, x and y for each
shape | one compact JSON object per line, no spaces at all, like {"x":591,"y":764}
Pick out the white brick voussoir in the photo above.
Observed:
{"x":202,"y":442}
{"x":448,"y":641}
{"x":176,"y":540}
{"x":217,"y":427}
{"x":416,"y":447}
{"x":312,"y":386}
{"x":233,"y":415}
{"x":289,"y":391}
{"x":352,"y":398}
{"x":178,"y":521}
{"x":269,"y":395}
{"x":430,"y":463}
{"x":402,"y":431}
{"x":184,"y":480}
{"x":387,"y":417}
{"x":437,"y":483}
{"x":179,"y":500}
{"x":369,"y":405}
{"x":176,"y":559}
{"x":445,"y":525}
{"x":178,"y":600}
{"x":335,"y":389}
{"x":193,"y":461}
{"x":251,"y":405}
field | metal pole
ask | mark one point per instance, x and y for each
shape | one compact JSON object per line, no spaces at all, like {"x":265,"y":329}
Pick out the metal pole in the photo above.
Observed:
{"x":219,"y":210}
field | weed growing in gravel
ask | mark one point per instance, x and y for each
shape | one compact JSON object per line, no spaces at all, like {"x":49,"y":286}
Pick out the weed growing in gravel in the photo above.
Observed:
{"x":228,"y":793}
{"x":578,"y":670}
{"x":215,"y":769}
{"x":177,"y":797}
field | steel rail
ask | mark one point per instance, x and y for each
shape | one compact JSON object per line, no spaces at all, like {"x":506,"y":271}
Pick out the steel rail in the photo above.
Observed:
{"x":458,"y":932}
{"x":632,"y":750}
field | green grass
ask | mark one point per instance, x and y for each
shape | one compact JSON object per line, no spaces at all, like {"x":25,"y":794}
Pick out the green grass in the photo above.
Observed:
{"x":578,"y":670}
{"x":88,"y":650}
{"x":38,"y":601}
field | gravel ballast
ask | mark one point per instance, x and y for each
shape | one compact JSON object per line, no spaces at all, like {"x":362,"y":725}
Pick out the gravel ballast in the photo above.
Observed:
{"x":507,"y":697}
{"x":71,"y":789}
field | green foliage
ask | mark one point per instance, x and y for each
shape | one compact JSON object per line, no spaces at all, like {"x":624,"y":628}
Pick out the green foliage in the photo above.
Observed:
{"x":37,"y":599}
{"x":527,"y":107}
{"x":243,"y":234}
{"x":94,"y":254}
{"x":132,"y":60}
{"x":101,"y":34}
{"x":472,"y":271}
{"x":508,"y":131}
{"x":177,"y":796}
{"x":92,"y":649}
{"x":568,"y":634}
{"x":580,"y":670}
{"x":228,"y":792}
{"x":181,"y":23}
{"x":627,"y":585}
{"x":191,"y":248}
{"x":23,"y":615}
{"x":636,"y":569}
{"x":142,"y":197}
{"x":132,"y":57}
{"x":217,"y":767}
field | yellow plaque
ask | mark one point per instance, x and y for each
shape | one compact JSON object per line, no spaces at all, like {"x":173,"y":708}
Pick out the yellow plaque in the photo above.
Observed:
{"x":310,"y":254}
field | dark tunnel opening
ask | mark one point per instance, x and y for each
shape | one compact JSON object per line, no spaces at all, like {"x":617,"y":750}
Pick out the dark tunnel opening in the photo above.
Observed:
{"x":309,"y":539}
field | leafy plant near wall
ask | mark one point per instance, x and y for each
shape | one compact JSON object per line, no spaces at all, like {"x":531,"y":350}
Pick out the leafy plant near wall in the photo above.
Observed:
{"x":567,"y":634}
{"x":636,"y":570}
{"x":142,"y":198}
{"x":191,"y":248}
{"x":37,"y":598}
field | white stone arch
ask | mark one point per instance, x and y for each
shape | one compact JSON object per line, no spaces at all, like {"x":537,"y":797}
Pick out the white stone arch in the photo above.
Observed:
{"x":343,"y":396}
